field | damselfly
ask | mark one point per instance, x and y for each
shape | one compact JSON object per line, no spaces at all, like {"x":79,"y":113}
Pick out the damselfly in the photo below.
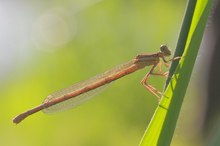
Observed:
{"x":80,"y":92}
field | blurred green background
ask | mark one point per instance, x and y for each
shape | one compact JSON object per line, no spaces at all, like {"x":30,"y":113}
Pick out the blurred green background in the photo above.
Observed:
{"x":50,"y":45}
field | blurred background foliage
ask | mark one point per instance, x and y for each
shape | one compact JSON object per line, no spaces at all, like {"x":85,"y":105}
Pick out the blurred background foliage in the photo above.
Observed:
{"x":49,"y":45}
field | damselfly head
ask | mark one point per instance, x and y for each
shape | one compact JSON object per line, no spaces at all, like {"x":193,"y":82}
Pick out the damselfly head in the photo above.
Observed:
{"x":165,"y":50}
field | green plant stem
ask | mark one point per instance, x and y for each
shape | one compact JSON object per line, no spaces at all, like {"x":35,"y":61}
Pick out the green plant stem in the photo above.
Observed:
{"x":161,"y":128}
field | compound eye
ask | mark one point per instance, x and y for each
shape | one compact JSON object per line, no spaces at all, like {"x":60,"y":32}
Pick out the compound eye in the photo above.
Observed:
{"x":164,"y":49}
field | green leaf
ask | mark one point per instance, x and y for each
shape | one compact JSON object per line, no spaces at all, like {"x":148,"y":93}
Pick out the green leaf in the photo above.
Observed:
{"x":161,"y":128}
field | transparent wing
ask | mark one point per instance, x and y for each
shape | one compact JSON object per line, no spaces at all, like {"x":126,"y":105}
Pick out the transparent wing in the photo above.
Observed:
{"x":70,"y":103}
